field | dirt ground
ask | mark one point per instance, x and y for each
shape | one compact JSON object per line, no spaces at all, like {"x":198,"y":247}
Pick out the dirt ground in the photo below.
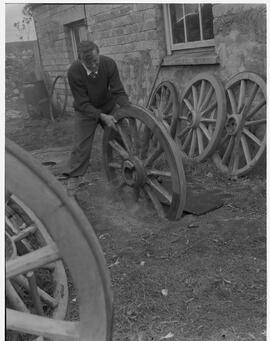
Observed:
{"x":200,"y":278}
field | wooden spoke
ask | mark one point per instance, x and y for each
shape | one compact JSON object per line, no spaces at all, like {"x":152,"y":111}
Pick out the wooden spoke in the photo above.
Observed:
{"x":134,"y":135}
{"x":32,"y":260}
{"x":208,"y":120}
{"x":224,"y":139}
{"x":249,"y":144}
{"x":207,"y":98}
{"x":245,"y":147}
{"x":232,"y":101}
{"x":155,"y":201}
{"x":43,"y":295}
{"x":124,"y":138}
{"x":16,"y":231}
{"x":14,"y":298}
{"x":202,"y":91}
{"x":34,"y":292}
{"x":195,"y":96}
{"x":162,"y":193}
{"x":24,"y":233}
{"x":242,"y":93}
{"x":39,"y":325}
{"x":183,"y":132}
{"x":228,"y":150}
{"x":205,"y":131}
{"x":200,"y":140}
{"x":187,"y":139}
{"x":119,"y":149}
{"x":115,"y":165}
{"x":145,"y":141}
{"x":253,"y":93}
{"x":157,"y":173}
{"x":189,"y":105}
{"x":193,"y":144}
{"x":261,"y":104}
{"x":209,"y":109}
{"x":183,"y":118}
{"x":153,"y":156}
{"x":255,"y":122}
{"x":252,"y":137}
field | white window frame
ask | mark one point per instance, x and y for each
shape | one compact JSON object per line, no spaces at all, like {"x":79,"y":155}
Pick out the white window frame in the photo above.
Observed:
{"x":181,"y":46}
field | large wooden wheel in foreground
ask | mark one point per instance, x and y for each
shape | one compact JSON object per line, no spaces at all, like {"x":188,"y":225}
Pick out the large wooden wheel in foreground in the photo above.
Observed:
{"x":141,"y":157}
{"x":201,"y":118}
{"x":72,"y":240}
{"x":43,"y":291}
{"x":244,"y":138}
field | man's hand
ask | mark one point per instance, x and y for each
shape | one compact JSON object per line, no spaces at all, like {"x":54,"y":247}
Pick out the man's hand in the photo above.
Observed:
{"x":109,"y":120}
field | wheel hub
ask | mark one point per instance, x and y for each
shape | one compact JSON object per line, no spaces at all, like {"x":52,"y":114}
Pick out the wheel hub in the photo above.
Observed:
{"x":193,"y":119}
{"x":232,"y":124}
{"x":133,"y":172}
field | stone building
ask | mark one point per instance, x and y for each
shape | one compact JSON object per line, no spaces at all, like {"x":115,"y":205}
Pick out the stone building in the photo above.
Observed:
{"x":185,"y":39}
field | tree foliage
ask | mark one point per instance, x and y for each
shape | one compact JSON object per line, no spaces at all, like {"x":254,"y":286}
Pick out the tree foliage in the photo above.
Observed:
{"x":23,"y":26}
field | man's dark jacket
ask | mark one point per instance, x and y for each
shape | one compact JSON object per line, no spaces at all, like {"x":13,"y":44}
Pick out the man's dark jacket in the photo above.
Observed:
{"x":93,"y":96}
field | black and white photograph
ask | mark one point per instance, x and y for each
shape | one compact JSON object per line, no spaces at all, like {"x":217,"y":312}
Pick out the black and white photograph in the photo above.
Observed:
{"x":135,"y":171}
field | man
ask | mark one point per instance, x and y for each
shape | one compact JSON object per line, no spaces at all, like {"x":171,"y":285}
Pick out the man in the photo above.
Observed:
{"x":97,"y":90}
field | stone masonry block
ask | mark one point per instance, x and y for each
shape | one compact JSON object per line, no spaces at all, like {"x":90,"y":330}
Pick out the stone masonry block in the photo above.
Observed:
{"x":231,"y":8}
{"x":149,"y":25}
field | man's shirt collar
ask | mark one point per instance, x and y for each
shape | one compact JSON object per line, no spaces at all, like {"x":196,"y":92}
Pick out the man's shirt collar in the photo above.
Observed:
{"x":89,"y":72}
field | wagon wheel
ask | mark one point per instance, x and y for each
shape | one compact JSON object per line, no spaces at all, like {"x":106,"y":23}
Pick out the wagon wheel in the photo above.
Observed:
{"x":164,"y":103}
{"x":72,"y":240}
{"x":201,"y":119}
{"x":244,"y":138}
{"x":58,"y":97}
{"x":142,"y":158}
{"x":45,"y":290}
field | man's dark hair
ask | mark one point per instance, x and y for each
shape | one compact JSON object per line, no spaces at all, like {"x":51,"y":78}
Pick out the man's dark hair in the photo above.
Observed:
{"x":86,"y":46}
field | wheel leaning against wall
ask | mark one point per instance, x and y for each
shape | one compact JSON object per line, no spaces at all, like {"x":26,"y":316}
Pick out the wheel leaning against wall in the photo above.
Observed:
{"x":164,"y":103}
{"x":201,"y":118}
{"x":243,"y":142}
{"x":58,"y":97}
{"x":73,"y":241}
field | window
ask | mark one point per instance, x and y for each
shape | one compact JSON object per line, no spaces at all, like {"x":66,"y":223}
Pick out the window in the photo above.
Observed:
{"x":78,"y":32}
{"x":188,"y":25}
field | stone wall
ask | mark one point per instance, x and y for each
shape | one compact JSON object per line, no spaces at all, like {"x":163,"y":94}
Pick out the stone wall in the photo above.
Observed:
{"x":20,"y":66}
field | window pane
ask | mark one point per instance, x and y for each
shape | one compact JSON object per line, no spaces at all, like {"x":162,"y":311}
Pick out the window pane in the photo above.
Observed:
{"x":192,"y":22}
{"x":207,"y":21}
{"x":177,"y":24}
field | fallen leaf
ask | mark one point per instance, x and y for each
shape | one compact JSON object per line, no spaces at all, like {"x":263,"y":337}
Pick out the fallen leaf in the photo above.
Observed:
{"x":164,"y":292}
{"x":115,"y":263}
{"x":168,"y":336}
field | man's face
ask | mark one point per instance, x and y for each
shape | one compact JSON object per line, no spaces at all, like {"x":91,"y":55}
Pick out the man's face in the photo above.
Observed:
{"x":91,"y":60}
